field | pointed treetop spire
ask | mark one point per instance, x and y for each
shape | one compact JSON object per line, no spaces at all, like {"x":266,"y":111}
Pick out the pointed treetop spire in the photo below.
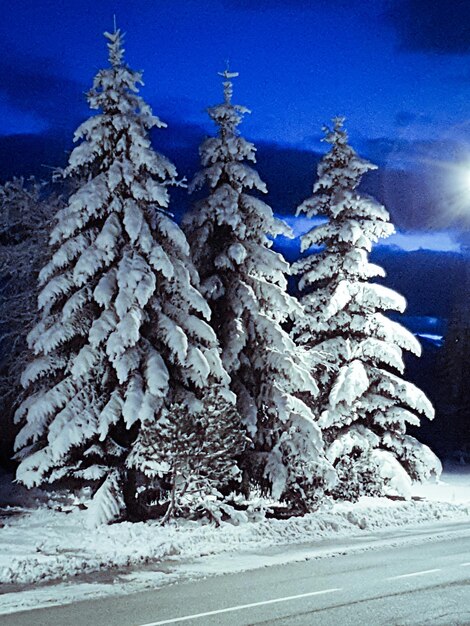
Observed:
{"x":338,"y":121}
{"x":338,"y":124}
{"x":115,"y":46}
{"x":332,"y":135}
{"x":228,"y":90}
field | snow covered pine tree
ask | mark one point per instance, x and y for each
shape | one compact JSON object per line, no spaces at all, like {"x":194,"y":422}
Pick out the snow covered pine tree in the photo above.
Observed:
{"x":122,"y":340}
{"x":230,"y":233}
{"x":364,"y":404}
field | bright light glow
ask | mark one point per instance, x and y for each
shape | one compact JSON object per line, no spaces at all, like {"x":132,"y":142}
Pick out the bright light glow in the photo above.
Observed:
{"x":451,"y":182}
{"x":463,"y":178}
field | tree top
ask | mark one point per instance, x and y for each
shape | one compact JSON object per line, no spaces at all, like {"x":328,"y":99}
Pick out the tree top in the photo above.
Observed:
{"x":228,"y":85}
{"x":115,"y":47}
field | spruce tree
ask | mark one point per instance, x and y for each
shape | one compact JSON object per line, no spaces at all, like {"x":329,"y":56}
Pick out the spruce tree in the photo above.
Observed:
{"x":123,"y":337}
{"x":230,"y":232}
{"x":365,"y":405}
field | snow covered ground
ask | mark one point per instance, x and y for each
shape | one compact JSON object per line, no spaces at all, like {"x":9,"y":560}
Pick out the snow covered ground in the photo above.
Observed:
{"x":49,"y":556}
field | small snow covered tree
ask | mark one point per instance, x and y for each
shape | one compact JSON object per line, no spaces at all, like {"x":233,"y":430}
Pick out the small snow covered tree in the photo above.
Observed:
{"x":230,"y":233}
{"x":122,"y":339}
{"x":26,"y":208}
{"x":364,"y":405}
{"x":194,"y":454}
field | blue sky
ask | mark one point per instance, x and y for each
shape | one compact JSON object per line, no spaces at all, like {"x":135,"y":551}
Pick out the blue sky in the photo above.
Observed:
{"x":301,"y":62}
{"x":399,"y":70}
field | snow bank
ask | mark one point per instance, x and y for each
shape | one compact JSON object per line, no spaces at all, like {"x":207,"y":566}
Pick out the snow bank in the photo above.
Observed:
{"x":454,"y":486}
{"x":43,"y":544}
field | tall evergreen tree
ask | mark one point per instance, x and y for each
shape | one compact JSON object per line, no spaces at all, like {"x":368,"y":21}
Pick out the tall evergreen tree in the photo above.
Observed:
{"x":122,"y":339}
{"x":230,"y":232}
{"x":365,"y":405}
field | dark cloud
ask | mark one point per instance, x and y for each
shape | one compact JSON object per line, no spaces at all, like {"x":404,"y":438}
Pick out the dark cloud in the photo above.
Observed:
{"x":37,"y":85}
{"x":40,"y":153}
{"x":439,"y":26}
{"x":400,"y":183}
{"x":404,"y":152}
{"x":166,"y":107}
{"x":405,"y":119}
{"x":312,"y":5}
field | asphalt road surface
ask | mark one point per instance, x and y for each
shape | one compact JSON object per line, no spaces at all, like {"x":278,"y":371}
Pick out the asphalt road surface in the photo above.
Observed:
{"x":426,"y":584}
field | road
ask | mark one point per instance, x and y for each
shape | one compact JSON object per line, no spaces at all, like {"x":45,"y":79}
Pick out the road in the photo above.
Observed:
{"x":423,"y":583}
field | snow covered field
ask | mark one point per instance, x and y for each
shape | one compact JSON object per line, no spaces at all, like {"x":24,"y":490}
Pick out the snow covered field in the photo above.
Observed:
{"x":45,"y":545}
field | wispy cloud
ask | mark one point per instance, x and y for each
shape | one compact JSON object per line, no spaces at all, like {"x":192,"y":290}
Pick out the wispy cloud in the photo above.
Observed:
{"x":408,"y":241}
